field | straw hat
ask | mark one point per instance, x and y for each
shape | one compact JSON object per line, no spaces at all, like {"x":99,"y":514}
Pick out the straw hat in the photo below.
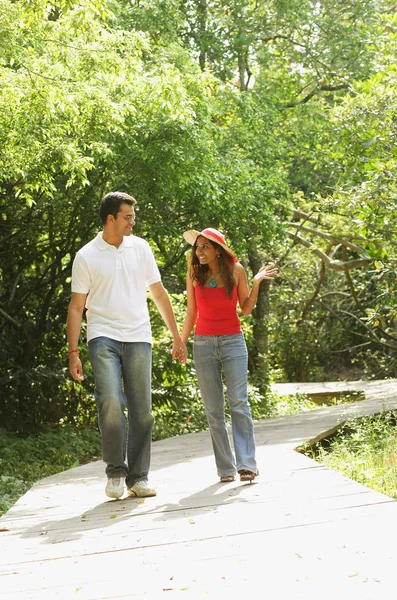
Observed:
{"x":213,"y":235}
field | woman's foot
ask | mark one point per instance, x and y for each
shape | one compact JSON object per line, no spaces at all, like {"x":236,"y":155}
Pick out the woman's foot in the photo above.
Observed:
{"x":227,"y":478}
{"x":246,"y":475}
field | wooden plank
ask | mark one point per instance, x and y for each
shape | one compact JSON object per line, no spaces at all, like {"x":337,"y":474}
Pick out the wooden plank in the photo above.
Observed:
{"x":325,"y":557}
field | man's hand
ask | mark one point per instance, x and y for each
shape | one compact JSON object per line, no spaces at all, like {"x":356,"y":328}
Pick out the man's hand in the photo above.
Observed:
{"x":75,"y":311}
{"x":75,"y":367}
{"x":179,"y":351}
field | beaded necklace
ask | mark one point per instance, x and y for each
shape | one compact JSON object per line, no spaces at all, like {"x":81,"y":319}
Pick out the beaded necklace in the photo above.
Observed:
{"x":212,"y":281}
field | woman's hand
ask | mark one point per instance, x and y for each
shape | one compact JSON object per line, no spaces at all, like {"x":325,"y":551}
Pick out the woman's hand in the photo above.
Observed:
{"x":179,"y":351}
{"x":267,"y":272}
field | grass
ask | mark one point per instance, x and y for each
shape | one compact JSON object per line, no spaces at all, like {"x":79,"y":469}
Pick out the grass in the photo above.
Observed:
{"x":27,"y":460}
{"x":364,"y":450}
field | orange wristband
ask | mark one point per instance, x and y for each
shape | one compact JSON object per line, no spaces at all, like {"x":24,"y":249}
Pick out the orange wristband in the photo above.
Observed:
{"x":71,"y":351}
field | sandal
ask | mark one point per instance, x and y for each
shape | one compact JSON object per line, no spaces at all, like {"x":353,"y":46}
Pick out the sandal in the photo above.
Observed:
{"x":227,"y":478}
{"x":246,"y":475}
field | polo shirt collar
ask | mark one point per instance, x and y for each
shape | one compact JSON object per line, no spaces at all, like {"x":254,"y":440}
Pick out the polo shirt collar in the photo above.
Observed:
{"x":102,"y":245}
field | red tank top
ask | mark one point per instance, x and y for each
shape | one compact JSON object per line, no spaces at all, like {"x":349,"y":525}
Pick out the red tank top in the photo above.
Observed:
{"x":216,"y":312}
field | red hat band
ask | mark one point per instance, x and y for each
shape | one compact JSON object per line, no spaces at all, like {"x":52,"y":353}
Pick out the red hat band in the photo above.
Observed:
{"x":210,"y":232}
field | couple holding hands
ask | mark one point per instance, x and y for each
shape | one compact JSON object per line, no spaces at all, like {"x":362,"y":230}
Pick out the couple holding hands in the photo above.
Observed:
{"x":110,"y":278}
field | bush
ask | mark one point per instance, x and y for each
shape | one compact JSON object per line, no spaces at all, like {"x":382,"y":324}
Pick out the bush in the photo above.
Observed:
{"x":27,"y":460}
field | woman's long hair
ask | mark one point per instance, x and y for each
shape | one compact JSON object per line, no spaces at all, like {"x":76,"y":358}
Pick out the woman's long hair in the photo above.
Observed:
{"x":201,"y":273}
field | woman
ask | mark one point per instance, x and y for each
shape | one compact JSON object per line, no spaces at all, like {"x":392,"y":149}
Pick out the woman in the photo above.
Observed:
{"x":215,"y":281}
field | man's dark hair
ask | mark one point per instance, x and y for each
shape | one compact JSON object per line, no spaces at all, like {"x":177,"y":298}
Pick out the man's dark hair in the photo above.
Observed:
{"x":111,"y":203}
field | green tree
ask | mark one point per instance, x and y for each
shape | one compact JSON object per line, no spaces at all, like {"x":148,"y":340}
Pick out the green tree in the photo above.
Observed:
{"x":232,"y":116}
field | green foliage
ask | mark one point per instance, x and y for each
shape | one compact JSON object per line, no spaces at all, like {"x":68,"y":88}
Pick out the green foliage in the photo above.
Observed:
{"x":26,"y":460}
{"x":229,"y":116}
{"x":262,"y":405}
{"x":82,"y":91}
{"x":345,"y":166}
{"x":172,"y":418}
{"x":364,"y":450}
{"x":296,"y":404}
{"x":297,"y":352}
{"x":41,"y":396}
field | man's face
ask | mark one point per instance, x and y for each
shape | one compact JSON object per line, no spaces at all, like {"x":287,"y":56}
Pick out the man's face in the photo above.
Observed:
{"x":125,"y":219}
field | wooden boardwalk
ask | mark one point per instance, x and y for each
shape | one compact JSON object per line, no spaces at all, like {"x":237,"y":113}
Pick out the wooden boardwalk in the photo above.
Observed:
{"x":300,"y":531}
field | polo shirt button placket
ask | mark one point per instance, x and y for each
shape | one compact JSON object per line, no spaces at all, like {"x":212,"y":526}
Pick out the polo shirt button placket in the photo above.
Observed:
{"x":119,"y":264}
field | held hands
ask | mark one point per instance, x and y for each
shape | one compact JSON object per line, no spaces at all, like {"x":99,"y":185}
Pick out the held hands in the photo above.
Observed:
{"x":179,"y":351}
{"x":266,"y":273}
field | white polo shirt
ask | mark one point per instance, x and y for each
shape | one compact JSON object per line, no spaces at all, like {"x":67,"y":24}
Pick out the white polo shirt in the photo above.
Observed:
{"x":116,"y":281}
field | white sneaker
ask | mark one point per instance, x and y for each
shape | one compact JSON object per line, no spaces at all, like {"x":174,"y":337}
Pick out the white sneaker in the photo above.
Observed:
{"x":141,"y":489}
{"x":115,"y":487}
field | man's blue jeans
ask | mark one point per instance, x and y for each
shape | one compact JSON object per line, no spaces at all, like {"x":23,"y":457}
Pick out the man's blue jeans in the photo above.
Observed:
{"x":122,"y":372}
{"x":211,"y":354}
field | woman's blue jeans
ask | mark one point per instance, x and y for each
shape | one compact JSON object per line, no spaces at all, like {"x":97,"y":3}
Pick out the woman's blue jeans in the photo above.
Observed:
{"x":211,"y":355}
{"x":122,"y":372}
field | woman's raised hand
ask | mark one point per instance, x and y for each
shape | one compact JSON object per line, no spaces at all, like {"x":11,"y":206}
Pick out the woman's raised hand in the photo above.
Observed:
{"x":267,"y":272}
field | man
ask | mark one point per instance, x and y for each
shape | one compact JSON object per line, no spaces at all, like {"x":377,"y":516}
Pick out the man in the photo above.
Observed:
{"x":110,"y":277}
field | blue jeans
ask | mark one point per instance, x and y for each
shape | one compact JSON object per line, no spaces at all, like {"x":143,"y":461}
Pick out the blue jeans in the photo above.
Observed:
{"x":122,"y":372}
{"x":211,"y":354}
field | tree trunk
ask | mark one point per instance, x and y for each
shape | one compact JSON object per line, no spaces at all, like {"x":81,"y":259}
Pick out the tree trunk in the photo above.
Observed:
{"x":258,"y":363}
{"x":202,"y":28}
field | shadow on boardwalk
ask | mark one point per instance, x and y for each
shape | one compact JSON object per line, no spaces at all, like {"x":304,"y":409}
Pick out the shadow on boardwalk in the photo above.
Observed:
{"x":300,"y":531}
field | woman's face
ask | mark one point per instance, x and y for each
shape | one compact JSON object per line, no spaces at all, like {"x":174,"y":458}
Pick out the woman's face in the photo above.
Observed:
{"x":205,"y":251}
